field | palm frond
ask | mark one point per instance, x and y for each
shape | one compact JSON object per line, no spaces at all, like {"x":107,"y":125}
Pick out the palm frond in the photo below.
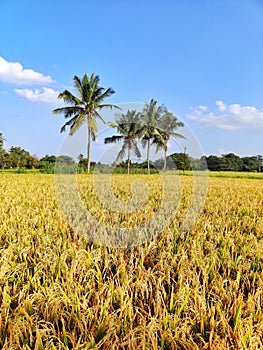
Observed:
{"x":100,"y":97}
{"x":99,"y":116}
{"x":136,"y":151}
{"x":112,"y":125}
{"x":108,"y":105}
{"x":121,"y":154}
{"x":68,"y":111}
{"x":68,"y":97}
{"x":93,"y":124}
{"x":97,"y":93}
{"x":77,"y":124}
{"x":68,"y":123}
{"x":160,"y":141}
{"x":113,"y":139}
{"x":93,"y":135}
{"x":85,"y":80}
{"x":78,"y":85}
{"x":175,"y":134}
{"x":94,"y":80}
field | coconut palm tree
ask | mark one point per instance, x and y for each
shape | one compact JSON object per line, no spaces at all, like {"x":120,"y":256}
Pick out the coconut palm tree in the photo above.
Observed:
{"x":168,"y":123}
{"x":85,"y":107}
{"x":151,"y":116}
{"x":129,"y":126}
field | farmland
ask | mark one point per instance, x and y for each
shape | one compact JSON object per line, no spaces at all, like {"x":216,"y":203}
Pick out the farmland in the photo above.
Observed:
{"x":200,"y":288}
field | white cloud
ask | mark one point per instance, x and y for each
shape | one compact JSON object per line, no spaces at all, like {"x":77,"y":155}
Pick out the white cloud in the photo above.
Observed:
{"x":221,"y":106}
{"x":45,"y":95}
{"x":202,"y":108}
{"x":229,"y":117}
{"x":14,"y":72}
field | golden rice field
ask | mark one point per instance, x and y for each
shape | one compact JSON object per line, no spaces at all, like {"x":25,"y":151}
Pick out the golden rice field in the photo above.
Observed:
{"x":196,"y":289}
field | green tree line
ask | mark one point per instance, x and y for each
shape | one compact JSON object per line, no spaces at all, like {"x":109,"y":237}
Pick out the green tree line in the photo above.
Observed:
{"x":18,"y":158}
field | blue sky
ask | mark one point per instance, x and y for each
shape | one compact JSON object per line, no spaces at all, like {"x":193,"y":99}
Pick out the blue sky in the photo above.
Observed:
{"x":202,"y":59}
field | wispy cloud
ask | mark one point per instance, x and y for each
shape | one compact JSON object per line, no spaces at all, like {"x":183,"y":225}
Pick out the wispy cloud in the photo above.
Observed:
{"x":15,"y":73}
{"x":228,"y":117}
{"x":45,"y":95}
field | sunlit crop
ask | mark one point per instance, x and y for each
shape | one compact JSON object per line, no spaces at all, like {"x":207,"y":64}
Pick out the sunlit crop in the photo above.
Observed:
{"x":196,"y":289}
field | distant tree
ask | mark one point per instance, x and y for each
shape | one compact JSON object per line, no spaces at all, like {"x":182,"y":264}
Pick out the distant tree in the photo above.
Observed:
{"x":65,"y":165}
{"x":260,"y":162}
{"x":130,"y":128}
{"x":159,"y":164}
{"x":2,"y":152}
{"x":85,"y":107}
{"x":19,"y":158}
{"x":250,"y":164}
{"x":47,"y":158}
{"x":233,"y":162}
{"x":1,"y":142}
{"x":67,"y":160}
{"x":198,"y":164}
{"x":215,"y":163}
{"x":5,"y":160}
{"x":227,"y":162}
{"x":82,"y":164}
{"x":32,"y":162}
{"x":47,"y":164}
{"x":180,"y":161}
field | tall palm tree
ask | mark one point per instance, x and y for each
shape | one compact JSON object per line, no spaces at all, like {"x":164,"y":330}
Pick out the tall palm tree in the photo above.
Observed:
{"x":168,"y":123}
{"x":129,"y":126}
{"x":84,"y":107}
{"x":151,"y":116}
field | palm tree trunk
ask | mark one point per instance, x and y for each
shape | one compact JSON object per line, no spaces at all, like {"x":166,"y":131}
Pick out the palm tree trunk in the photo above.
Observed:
{"x":88,"y":150}
{"x":129,"y":158}
{"x":164,"y":164}
{"x":148,"y":156}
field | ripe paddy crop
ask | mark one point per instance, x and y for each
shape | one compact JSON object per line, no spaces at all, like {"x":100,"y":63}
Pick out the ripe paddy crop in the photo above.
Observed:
{"x":196,"y":289}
